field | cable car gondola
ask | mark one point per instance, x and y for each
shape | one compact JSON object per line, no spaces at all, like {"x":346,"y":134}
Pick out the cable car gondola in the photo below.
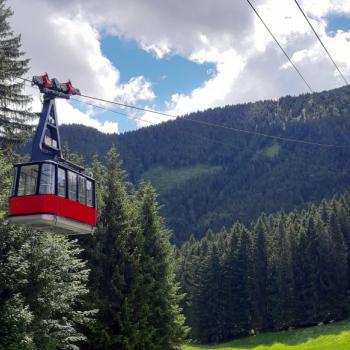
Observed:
{"x":49,"y":192}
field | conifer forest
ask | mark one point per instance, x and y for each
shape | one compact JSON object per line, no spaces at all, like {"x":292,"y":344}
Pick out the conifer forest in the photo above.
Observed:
{"x":203,"y":235}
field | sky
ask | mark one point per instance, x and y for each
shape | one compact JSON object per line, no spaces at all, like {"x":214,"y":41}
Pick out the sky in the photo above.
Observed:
{"x":178,"y":57}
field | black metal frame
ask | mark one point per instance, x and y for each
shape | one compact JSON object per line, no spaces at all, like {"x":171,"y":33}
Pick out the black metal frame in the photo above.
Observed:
{"x":48,"y":123}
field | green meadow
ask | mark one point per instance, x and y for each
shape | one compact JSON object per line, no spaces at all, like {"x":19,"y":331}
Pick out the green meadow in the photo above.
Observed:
{"x":334,"y":336}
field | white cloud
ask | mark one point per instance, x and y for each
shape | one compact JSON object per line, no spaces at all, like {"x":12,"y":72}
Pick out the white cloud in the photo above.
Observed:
{"x":67,"y":114}
{"x":67,"y":46}
{"x":70,"y":115}
{"x":214,"y":91}
{"x":249,"y":65}
{"x":136,"y":89}
{"x":260,"y":71}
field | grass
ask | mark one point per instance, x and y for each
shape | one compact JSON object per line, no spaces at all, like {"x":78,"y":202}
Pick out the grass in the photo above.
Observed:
{"x":334,"y":336}
{"x":164,"y":179}
{"x":272,"y":151}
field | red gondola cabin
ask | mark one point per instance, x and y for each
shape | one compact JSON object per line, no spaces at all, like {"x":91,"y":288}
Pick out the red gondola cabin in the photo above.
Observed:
{"x":51,"y":193}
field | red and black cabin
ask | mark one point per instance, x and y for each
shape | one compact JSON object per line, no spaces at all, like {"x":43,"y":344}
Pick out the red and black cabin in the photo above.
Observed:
{"x":49,"y":192}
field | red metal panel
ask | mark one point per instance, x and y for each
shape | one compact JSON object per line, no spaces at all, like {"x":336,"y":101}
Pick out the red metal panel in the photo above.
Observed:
{"x":52,"y":204}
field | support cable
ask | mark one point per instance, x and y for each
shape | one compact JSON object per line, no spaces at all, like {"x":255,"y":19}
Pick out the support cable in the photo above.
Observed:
{"x":280,"y":46}
{"x":319,"y":39}
{"x":206,"y":123}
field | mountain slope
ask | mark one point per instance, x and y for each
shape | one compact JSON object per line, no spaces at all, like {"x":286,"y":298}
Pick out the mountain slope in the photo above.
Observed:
{"x":209,"y":177}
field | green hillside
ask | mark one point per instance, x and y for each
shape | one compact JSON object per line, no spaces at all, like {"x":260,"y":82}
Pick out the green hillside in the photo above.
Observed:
{"x":334,"y":336}
{"x":211,"y":177}
{"x":165,"y":180}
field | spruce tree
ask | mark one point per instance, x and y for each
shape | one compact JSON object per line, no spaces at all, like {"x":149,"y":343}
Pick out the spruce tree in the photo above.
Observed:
{"x":5,"y":184}
{"x":160,"y":322}
{"x":260,"y":272}
{"x":14,"y":113}
{"x":206,"y":300}
{"x":112,"y":277}
{"x":343,"y":215}
{"x":237,"y":283}
{"x":43,"y":282}
{"x":338,"y":267}
{"x":283,"y":306}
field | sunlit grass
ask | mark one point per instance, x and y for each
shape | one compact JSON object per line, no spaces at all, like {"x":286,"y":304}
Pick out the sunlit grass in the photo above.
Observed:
{"x":329,"y":337}
{"x":165,"y":179}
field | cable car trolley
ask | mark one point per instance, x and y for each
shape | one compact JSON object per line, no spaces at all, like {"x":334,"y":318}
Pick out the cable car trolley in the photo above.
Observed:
{"x":49,"y":192}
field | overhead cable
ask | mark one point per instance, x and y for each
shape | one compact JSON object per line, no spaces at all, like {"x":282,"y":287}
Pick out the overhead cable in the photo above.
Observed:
{"x":210,"y":124}
{"x":280,"y":46}
{"x":319,"y":39}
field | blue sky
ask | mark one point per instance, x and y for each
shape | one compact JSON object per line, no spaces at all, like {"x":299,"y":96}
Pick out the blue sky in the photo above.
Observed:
{"x":337,"y":22}
{"x":168,"y":75}
{"x":85,"y":41}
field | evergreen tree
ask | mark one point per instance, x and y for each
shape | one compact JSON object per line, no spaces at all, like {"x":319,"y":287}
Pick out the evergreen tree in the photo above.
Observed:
{"x":314,"y":278}
{"x":284,"y":275}
{"x":336,"y":296}
{"x":14,"y":114}
{"x":99,"y":171}
{"x":43,"y":283}
{"x":237,"y":284}
{"x":260,"y":273}
{"x":188,"y":263}
{"x":5,"y":184}
{"x":160,"y":324}
{"x":112,"y":277}
{"x":206,"y":299}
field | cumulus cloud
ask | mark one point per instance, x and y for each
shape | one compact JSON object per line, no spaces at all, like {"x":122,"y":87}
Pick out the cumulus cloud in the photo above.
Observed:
{"x":249,"y":65}
{"x":67,"y":46}
{"x":67,"y":114}
{"x":136,"y":89}
{"x":70,"y":115}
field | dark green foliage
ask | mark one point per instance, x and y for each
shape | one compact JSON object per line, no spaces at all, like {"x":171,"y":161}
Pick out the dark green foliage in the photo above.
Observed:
{"x":206,"y":299}
{"x":287,"y":271}
{"x":237,"y":284}
{"x":5,"y":183}
{"x":215,"y":177}
{"x":132,"y":281}
{"x":260,"y":272}
{"x":160,"y":323}
{"x":14,"y":114}
{"x":112,"y":277}
{"x":43,"y":281}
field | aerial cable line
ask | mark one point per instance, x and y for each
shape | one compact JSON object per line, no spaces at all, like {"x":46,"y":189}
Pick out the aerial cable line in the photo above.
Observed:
{"x":280,"y":46}
{"x":113,"y":111}
{"x":319,"y":39}
{"x":280,"y":138}
{"x":97,"y":106}
{"x":205,"y":123}
{"x":134,"y":117}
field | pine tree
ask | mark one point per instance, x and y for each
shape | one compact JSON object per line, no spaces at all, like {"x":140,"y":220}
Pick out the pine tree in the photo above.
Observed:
{"x":260,"y":272}
{"x":206,"y":300}
{"x":336,"y":297}
{"x":237,"y":284}
{"x":160,"y":323}
{"x":112,"y":276}
{"x":314,"y":279}
{"x":284,"y":275}
{"x":5,"y":184}
{"x":187,"y":264}
{"x":43,"y":283}
{"x":14,"y":114}
{"x":98,"y":170}
{"x":344,"y":223}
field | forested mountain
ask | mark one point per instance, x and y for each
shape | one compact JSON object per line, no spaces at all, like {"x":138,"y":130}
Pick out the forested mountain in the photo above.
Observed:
{"x":209,"y":177}
{"x":286,"y":270}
